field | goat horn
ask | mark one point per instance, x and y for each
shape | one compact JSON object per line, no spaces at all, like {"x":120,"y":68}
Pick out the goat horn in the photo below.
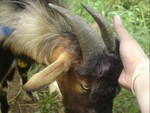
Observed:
{"x":90,"y":41}
{"x":49,"y":74}
{"x":104,"y":27}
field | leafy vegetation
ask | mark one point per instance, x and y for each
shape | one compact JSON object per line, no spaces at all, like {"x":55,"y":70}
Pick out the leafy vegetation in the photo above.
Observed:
{"x":50,"y":103}
{"x":134,"y":13}
{"x":135,"y":16}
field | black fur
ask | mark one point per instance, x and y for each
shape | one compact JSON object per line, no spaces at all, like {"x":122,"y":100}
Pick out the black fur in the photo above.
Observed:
{"x":6,"y":59}
{"x":103,"y":72}
{"x":6,"y":62}
{"x":7,"y":71}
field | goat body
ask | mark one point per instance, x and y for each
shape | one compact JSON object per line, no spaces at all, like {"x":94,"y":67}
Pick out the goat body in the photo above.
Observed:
{"x":8,"y":65}
{"x":87,"y":81}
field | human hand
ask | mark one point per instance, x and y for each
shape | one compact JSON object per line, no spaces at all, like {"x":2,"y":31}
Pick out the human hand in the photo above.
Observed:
{"x":131,"y":53}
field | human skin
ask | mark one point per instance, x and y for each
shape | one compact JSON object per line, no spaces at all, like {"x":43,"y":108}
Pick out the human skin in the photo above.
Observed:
{"x":135,"y":74}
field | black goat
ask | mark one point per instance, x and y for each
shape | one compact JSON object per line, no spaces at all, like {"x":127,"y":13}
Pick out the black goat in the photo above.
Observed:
{"x":6,"y":73}
{"x":85,"y":64}
{"x":8,"y":65}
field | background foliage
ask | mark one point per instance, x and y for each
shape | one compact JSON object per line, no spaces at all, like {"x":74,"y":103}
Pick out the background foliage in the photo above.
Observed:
{"x":135,"y":16}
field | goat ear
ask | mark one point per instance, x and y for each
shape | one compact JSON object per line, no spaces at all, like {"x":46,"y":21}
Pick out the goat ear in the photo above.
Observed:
{"x":49,"y":74}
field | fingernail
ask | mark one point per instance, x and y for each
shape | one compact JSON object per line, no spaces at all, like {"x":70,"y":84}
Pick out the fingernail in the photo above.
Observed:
{"x":118,"y":19}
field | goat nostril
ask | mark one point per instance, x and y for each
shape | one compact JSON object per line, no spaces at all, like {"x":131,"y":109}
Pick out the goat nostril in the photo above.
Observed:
{"x":93,"y":97}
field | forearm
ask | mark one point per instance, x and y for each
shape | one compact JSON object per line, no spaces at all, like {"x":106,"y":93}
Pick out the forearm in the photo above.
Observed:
{"x":141,"y":86}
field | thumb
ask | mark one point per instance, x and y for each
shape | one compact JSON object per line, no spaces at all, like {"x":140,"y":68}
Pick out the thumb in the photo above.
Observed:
{"x":120,"y":30}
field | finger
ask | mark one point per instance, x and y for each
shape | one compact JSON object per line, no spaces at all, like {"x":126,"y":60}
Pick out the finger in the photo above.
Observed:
{"x":122,"y":33}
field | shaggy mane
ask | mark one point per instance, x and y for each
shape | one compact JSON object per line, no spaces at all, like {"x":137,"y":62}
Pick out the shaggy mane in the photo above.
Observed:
{"x":35,"y":26}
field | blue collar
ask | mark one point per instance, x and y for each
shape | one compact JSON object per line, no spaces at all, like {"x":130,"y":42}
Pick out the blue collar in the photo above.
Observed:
{"x":5,"y":30}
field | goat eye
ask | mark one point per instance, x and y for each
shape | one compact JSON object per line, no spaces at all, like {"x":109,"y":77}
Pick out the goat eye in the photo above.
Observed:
{"x":85,"y":87}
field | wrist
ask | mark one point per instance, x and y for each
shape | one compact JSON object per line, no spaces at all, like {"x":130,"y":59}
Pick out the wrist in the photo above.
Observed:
{"x":140,"y":77}
{"x":141,"y":88}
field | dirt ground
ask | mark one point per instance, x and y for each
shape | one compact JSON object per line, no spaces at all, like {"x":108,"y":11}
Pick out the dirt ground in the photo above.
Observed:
{"x":17,"y":101}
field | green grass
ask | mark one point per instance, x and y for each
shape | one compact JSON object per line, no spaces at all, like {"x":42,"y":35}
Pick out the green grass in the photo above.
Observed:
{"x":50,"y":103}
{"x":125,"y":102}
{"x":135,"y":17}
{"x":134,"y":13}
